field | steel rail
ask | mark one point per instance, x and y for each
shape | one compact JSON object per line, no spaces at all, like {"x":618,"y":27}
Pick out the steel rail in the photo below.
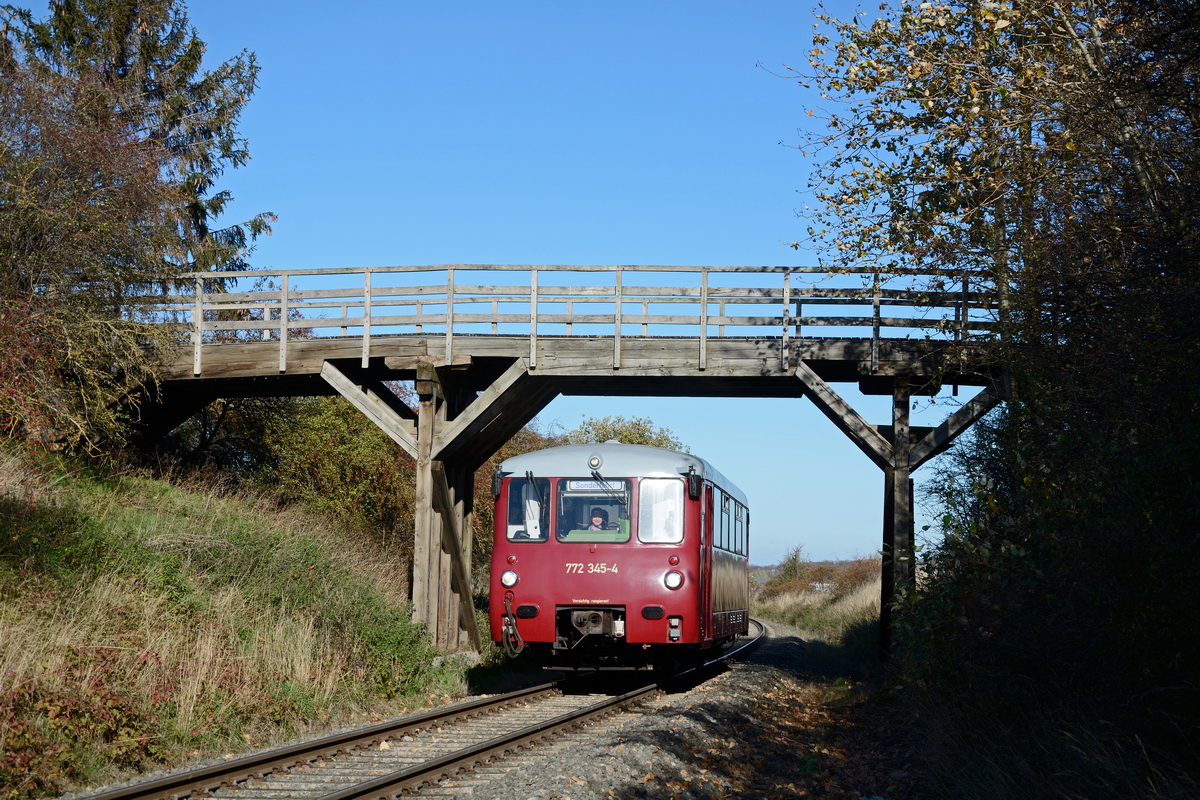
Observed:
{"x":210,"y":778}
{"x":388,"y":786}
{"x":401,"y":781}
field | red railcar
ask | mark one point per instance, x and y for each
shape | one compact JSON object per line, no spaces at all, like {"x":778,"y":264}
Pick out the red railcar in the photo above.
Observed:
{"x":617,"y":555}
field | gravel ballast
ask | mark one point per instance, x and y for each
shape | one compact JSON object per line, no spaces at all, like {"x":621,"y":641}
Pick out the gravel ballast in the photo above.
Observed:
{"x":768,"y":727}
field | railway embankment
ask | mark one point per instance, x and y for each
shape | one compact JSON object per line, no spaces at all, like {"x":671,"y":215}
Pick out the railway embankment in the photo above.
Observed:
{"x":144,"y":624}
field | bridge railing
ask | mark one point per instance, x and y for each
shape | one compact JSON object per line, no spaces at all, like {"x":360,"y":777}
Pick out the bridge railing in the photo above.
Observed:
{"x":616,"y":302}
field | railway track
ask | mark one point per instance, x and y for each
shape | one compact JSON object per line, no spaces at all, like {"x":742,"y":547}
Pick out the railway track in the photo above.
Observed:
{"x":400,"y":756}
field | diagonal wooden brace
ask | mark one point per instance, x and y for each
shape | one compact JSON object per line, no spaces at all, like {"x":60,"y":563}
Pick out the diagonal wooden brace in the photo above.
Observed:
{"x":941,"y":437}
{"x":443,"y":504}
{"x":370,"y":397}
{"x":848,"y":421}
{"x":496,"y":415}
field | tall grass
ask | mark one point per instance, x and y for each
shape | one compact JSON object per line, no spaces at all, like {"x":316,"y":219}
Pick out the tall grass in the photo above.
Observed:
{"x":142,"y":624}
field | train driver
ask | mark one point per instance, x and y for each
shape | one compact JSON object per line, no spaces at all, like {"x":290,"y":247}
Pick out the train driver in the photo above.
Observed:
{"x":599,"y":520}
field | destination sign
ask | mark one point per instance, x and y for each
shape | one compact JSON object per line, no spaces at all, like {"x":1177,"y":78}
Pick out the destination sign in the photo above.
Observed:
{"x":596,"y":486}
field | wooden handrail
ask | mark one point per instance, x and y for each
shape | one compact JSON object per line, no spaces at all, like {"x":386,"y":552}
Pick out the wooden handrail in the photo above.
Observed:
{"x":543,"y":302}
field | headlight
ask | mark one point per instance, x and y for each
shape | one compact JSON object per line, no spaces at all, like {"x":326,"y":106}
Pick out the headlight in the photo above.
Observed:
{"x":508,"y":579}
{"x":673,"y":579}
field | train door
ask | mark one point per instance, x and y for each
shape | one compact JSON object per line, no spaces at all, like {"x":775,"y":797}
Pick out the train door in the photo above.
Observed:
{"x":706,"y":563}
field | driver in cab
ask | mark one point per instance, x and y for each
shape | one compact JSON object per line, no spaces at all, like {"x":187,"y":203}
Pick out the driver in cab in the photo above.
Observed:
{"x":599,"y":520}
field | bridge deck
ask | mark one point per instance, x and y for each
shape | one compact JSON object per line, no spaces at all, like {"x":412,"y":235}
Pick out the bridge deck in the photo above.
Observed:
{"x":484,"y":357}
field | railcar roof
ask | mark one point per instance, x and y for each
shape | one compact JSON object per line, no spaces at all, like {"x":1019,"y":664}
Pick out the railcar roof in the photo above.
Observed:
{"x":617,"y":461}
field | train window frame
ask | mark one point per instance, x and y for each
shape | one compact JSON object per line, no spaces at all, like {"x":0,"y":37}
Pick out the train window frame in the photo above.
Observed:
{"x":648,"y":515}
{"x":738,"y":529}
{"x":726,"y":522}
{"x":594,"y":495}
{"x":518,"y":532}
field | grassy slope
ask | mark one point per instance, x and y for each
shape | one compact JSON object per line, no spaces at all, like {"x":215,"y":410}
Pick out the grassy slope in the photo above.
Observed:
{"x":143,"y":624}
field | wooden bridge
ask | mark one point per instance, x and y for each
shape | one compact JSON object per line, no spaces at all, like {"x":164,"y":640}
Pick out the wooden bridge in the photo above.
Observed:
{"x":489,"y":346}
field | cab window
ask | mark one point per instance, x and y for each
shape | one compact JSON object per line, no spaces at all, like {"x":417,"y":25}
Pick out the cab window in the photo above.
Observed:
{"x":528,"y":510}
{"x":660,"y":510}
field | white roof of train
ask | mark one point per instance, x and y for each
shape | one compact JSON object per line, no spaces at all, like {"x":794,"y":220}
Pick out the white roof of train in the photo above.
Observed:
{"x":616,"y":461}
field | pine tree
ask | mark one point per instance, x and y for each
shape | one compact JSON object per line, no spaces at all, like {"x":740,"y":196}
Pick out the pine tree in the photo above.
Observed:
{"x":149,"y":58}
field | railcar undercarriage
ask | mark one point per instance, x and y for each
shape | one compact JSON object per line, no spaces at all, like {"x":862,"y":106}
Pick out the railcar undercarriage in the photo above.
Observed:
{"x":593,"y":637}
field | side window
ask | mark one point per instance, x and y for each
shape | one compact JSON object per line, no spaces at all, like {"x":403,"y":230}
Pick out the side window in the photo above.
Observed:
{"x":528,"y":517}
{"x":746,"y":535}
{"x":739,"y":530}
{"x":723,"y":542}
{"x":660,"y":510}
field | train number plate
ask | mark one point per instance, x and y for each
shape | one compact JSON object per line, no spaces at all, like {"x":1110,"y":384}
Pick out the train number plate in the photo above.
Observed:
{"x":579,"y":568}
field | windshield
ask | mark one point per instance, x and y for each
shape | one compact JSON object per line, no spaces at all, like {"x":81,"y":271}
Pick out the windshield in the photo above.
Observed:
{"x":591,"y":510}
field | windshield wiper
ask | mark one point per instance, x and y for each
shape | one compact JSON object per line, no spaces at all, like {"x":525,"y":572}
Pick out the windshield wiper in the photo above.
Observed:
{"x":536,"y":487}
{"x":605,"y":488}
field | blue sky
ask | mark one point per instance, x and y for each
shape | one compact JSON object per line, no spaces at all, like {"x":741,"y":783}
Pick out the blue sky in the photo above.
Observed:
{"x":559,"y":133}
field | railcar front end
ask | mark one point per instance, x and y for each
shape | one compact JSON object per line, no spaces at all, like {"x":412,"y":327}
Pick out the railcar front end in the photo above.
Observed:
{"x":604,"y":556}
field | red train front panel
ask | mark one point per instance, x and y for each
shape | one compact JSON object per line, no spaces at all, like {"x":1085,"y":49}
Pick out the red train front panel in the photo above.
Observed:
{"x":588,"y":565}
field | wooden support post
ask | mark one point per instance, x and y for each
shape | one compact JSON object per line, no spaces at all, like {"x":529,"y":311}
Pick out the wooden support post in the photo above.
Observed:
{"x":447,"y":612}
{"x":468,"y":630}
{"x":424,"y":560}
{"x":198,"y":326}
{"x":617,"y":325}
{"x":284,"y":312}
{"x":453,"y":507}
{"x":898,"y":567}
{"x":902,"y":511}
{"x":787,"y":321}
{"x":875,"y":326}
{"x":437,"y":532}
{"x":533,"y":317}
{"x":366,"y":343}
{"x":703,"y":319}
{"x":450,"y":315}
{"x":887,"y":590}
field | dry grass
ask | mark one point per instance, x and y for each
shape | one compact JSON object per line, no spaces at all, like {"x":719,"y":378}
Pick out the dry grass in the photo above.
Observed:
{"x":840,"y":625}
{"x":821,"y":615}
{"x":142,"y":624}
